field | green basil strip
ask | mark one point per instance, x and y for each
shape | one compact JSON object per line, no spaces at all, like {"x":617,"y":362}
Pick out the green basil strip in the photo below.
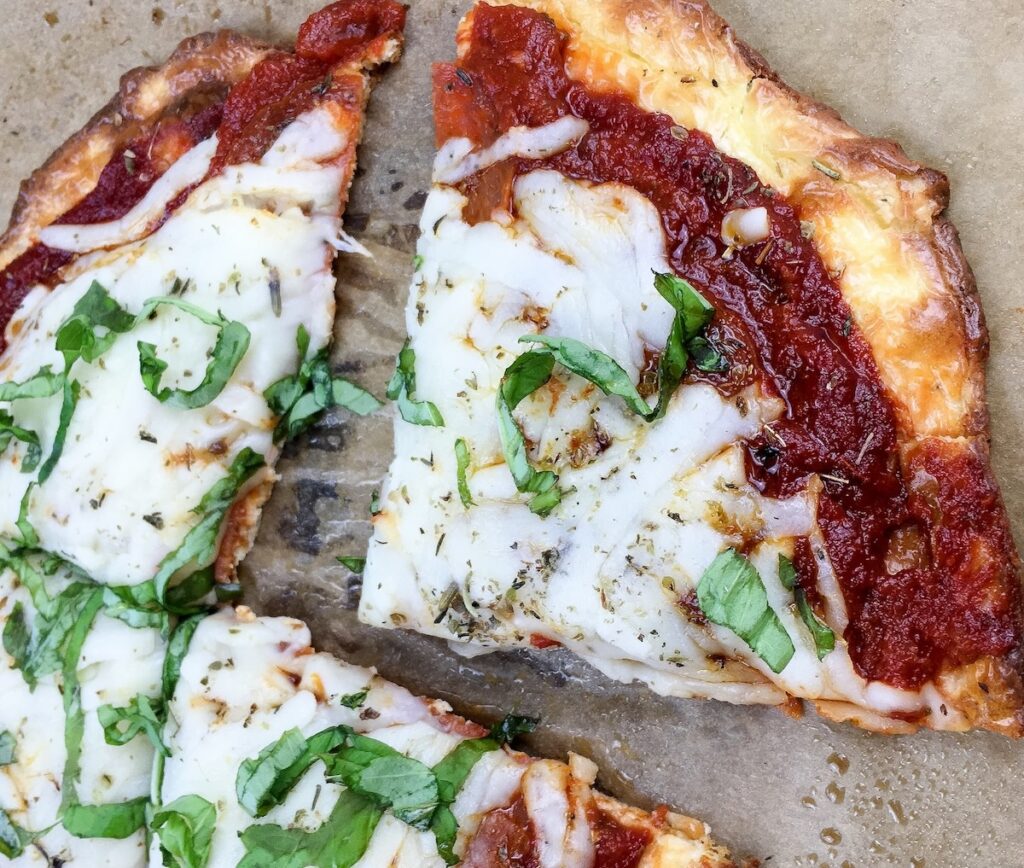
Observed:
{"x":177,"y":648}
{"x":231,"y":345}
{"x":451,"y":774}
{"x":356,"y":565}
{"x":339,"y":843}
{"x":43,"y":384}
{"x":593,"y":365}
{"x":29,"y":537}
{"x":693,"y":313}
{"x":402,"y":387}
{"x":7,"y":748}
{"x":13,"y":839}
{"x":106,"y":821}
{"x":354,"y":700}
{"x":77,"y":337}
{"x":199,"y":547}
{"x":706,"y":356}
{"x":9,"y":431}
{"x":732,"y":594}
{"x":524,"y":376}
{"x":462,"y":462}
{"x":824,"y":638}
{"x":72,"y":389}
{"x":185,"y":829}
{"x":264,"y":781}
{"x":512,"y":726}
{"x":142,"y":715}
{"x":188,"y":596}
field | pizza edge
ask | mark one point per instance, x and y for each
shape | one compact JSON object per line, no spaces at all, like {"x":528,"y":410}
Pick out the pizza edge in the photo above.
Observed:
{"x":931,"y":347}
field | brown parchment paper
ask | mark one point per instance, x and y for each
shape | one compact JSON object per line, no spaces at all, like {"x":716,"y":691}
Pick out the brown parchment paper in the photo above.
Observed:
{"x":944,"y":77}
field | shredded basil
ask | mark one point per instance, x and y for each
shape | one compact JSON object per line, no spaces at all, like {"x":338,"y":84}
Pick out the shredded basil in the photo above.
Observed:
{"x":142,"y":715}
{"x":824,"y":638}
{"x":462,"y":462}
{"x":7,"y":748}
{"x":451,"y":774}
{"x":13,"y":838}
{"x":354,"y":700}
{"x":10,"y":431}
{"x":356,"y":565}
{"x":593,"y":365}
{"x":524,"y":376}
{"x":43,"y":384}
{"x":732,"y":594}
{"x":340,"y":841}
{"x":72,"y":390}
{"x":29,"y":537}
{"x":77,"y":337}
{"x":299,"y":399}
{"x":185,"y":829}
{"x":263,"y":782}
{"x":512,"y":726}
{"x":177,"y":648}
{"x":402,"y":387}
{"x":199,"y":547}
{"x":120,"y":820}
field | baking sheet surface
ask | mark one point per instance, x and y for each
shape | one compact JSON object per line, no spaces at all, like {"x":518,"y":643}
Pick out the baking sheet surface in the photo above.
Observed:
{"x":944,"y":77}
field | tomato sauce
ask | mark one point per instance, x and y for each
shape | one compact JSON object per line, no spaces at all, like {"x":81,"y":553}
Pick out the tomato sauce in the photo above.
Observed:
{"x":504,"y":839}
{"x":251,"y":117}
{"x":616,"y":845}
{"x":784,"y":325}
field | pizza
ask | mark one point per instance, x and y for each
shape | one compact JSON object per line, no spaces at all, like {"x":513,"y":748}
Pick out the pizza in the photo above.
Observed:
{"x":167,"y":303}
{"x":279,"y":755}
{"x":694,"y":385}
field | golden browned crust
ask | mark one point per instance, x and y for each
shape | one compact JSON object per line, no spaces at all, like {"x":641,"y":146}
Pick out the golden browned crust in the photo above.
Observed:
{"x":207,"y":63}
{"x":878,"y":225}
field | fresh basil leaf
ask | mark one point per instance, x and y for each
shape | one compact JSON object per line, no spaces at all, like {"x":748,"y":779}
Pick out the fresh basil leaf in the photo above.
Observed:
{"x":732,"y":594}
{"x":262,"y":782}
{"x":7,"y":748}
{"x":462,"y":462}
{"x":231,"y":345}
{"x":177,"y":648}
{"x":356,"y":565}
{"x":189,"y":596}
{"x":72,"y":390}
{"x":29,"y":537}
{"x":119,"y":820}
{"x":339,"y":843}
{"x":593,"y":365}
{"x":694,"y":310}
{"x":402,"y":387}
{"x":227,"y":592}
{"x":142,"y":715}
{"x":199,"y":547}
{"x":13,"y":839}
{"x":706,"y":356}
{"x":404,"y":784}
{"x":512,"y":726}
{"x":43,"y":384}
{"x":524,"y":376}
{"x":185,"y":829}
{"x":136,"y":606}
{"x":451,"y":774}
{"x":824,"y":638}
{"x":77,"y":337}
{"x":17,"y":641}
{"x":354,"y":700}
{"x":9,"y":431}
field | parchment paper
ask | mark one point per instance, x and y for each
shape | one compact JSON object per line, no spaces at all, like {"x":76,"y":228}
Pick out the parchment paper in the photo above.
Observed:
{"x":942,"y":76}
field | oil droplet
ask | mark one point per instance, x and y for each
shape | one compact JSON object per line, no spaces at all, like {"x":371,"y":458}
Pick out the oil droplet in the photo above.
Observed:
{"x":836,"y":794}
{"x":809,"y":802}
{"x":831,"y":836}
{"x":839,"y":763}
{"x":896,"y":812}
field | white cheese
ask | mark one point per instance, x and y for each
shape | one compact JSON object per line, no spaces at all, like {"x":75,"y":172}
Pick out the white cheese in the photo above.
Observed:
{"x":647,"y":506}
{"x":235,"y":234}
{"x":31,"y":788}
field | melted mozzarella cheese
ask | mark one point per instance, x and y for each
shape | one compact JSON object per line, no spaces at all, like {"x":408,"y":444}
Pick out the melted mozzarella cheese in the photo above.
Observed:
{"x":117,"y":663}
{"x":246,"y":681}
{"x":127,"y":455}
{"x":648,"y":506}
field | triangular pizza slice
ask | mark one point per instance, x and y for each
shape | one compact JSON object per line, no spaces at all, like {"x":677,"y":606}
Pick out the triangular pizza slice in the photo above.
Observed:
{"x":167,"y":303}
{"x":694,"y":385}
{"x":281,"y":756}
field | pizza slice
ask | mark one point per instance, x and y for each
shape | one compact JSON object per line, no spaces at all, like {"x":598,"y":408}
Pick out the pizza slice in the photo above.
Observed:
{"x":167,"y":302}
{"x":282,"y":756}
{"x":694,"y":385}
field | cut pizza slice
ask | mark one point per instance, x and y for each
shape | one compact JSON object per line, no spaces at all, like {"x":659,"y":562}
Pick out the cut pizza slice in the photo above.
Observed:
{"x":281,"y":756}
{"x":694,"y":385}
{"x":167,"y":302}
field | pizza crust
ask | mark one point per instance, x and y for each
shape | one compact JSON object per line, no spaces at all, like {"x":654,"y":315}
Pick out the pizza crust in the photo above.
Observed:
{"x":207,"y":63}
{"x":878,"y":224}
